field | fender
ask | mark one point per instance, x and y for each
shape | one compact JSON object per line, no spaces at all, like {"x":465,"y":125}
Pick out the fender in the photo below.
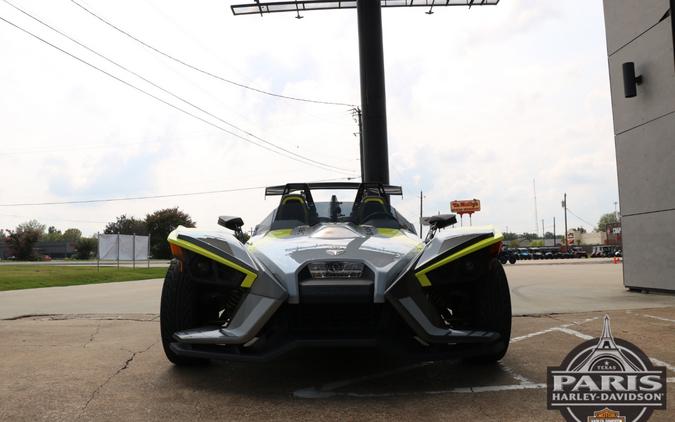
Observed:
{"x":260,"y":302}
{"x":451,"y":244}
{"x":219,"y":246}
{"x":407,"y":294}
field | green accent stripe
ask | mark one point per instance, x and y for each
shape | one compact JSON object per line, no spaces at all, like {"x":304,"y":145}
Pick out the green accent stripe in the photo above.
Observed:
{"x":280,"y":233}
{"x":386,"y":232}
{"x":250,"y":276}
{"x":422,"y":277}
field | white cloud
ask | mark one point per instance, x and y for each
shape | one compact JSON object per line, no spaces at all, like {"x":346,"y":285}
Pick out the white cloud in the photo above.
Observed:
{"x":480,"y":102}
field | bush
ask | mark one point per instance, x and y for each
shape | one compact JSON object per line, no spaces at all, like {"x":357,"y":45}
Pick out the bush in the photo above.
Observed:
{"x":162,"y":222}
{"x":21,"y":241}
{"x":86,"y":248}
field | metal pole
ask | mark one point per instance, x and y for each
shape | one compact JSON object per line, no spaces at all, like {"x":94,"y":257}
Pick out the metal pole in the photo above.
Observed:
{"x":375,"y":156}
{"x":421,"y":213}
{"x":543,"y":232}
{"x":362,"y":161}
{"x":565,"y":236}
{"x":148,"y":253}
{"x":98,"y":251}
{"x":118,"y":251}
{"x":133,"y":252}
{"x":554,"y":239}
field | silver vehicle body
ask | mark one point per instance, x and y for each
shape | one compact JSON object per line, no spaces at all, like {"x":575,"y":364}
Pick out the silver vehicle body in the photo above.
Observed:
{"x":273,"y":267}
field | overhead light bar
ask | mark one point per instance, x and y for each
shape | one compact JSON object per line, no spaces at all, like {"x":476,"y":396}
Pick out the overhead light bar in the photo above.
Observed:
{"x":308,"y":5}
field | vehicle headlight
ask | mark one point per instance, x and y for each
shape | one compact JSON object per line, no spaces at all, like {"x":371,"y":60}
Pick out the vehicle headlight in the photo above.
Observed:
{"x":335,"y":269}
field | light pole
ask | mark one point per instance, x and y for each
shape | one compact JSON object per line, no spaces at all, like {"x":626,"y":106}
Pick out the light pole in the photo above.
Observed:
{"x":564,"y":204}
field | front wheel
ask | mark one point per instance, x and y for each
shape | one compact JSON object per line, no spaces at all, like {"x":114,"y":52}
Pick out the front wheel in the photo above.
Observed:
{"x":177,"y":312}
{"x":512,"y":260}
{"x":494,"y":309}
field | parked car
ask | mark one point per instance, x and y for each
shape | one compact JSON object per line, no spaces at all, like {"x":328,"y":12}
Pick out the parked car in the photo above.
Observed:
{"x":578,"y":252}
{"x":604,"y":251}
{"x":552,"y":253}
{"x":509,"y":255}
{"x":536,"y":253}
{"x":523,"y":253}
{"x":334,"y":274}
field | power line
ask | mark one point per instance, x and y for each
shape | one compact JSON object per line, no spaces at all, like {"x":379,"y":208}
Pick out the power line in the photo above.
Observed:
{"x":170,"y":195}
{"x":205,"y":72}
{"x":174,"y":95}
{"x":55,"y":219}
{"x":579,"y":218}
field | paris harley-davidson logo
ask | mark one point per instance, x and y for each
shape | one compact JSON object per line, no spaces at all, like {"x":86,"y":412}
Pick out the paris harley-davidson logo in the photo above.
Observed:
{"x":606,"y":379}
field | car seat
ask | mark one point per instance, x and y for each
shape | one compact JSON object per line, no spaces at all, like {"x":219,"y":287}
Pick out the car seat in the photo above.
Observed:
{"x":293,"y":207}
{"x":371,"y":204}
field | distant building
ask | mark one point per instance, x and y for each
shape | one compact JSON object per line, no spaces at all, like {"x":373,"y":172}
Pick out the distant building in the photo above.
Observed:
{"x":57,"y":250}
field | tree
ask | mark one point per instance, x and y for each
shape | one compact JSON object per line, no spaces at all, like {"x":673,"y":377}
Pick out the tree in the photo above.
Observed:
{"x":530,"y":236}
{"x":72,"y":235}
{"x":608,"y":218}
{"x":52,"y":234}
{"x":510,"y":236}
{"x":514,"y":243}
{"x":86,"y":247}
{"x":548,"y":235}
{"x":22,"y":240}
{"x":32,"y":225}
{"x":162,"y":222}
{"x":580,"y":230}
{"x":126,"y":225}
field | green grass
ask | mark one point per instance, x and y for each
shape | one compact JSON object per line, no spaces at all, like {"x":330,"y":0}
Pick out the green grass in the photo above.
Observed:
{"x":14,"y":277}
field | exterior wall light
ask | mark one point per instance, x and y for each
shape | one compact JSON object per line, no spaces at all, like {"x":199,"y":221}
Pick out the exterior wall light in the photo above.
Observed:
{"x":630,"y":81}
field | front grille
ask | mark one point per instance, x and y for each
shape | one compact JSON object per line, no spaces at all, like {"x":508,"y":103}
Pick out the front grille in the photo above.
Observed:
{"x":348,"y":320}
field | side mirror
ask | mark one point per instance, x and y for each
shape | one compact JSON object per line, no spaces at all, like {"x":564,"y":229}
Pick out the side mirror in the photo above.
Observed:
{"x":442,"y":220}
{"x":232,"y":223}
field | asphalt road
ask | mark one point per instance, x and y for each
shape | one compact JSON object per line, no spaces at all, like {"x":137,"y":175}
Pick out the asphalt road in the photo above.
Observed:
{"x":535,"y":289}
{"x":98,"y":357}
{"x":112,"y":368}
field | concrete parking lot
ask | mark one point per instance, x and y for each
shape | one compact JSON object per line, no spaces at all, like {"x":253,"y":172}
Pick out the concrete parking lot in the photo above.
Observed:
{"x":109,"y":365}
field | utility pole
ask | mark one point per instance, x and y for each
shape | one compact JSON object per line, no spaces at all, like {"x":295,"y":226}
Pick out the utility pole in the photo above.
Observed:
{"x":564,"y":204}
{"x":543,"y":232}
{"x":536,"y":216}
{"x":421,"y":211}
{"x":554,"y":239}
{"x":359,"y":121}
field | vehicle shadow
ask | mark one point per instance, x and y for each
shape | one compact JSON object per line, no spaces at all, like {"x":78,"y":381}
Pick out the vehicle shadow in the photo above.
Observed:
{"x":326,"y":373}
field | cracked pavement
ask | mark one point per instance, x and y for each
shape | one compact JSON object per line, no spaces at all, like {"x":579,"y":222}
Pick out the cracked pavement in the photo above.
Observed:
{"x":122,"y":374}
{"x":110,"y":366}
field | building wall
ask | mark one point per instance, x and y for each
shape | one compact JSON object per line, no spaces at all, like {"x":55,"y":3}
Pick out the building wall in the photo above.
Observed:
{"x":644,"y":127}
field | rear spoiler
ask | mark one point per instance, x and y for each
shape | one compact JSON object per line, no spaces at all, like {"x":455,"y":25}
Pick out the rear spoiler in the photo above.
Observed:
{"x":292,"y":187}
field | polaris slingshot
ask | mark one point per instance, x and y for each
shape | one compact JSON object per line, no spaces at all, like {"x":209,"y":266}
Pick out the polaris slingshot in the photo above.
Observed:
{"x":335,"y":274}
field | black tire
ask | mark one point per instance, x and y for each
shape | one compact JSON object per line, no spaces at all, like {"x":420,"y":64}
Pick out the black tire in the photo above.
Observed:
{"x":502,"y":260}
{"x":512,"y":260}
{"x":494,"y":310}
{"x":177,"y":312}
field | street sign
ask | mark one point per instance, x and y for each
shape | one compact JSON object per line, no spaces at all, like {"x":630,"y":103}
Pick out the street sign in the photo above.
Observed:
{"x":465,"y":206}
{"x":570,"y":238}
{"x":613,"y":231}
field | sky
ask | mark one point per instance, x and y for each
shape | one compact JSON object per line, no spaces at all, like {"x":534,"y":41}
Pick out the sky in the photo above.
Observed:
{"x":480,"y":104}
